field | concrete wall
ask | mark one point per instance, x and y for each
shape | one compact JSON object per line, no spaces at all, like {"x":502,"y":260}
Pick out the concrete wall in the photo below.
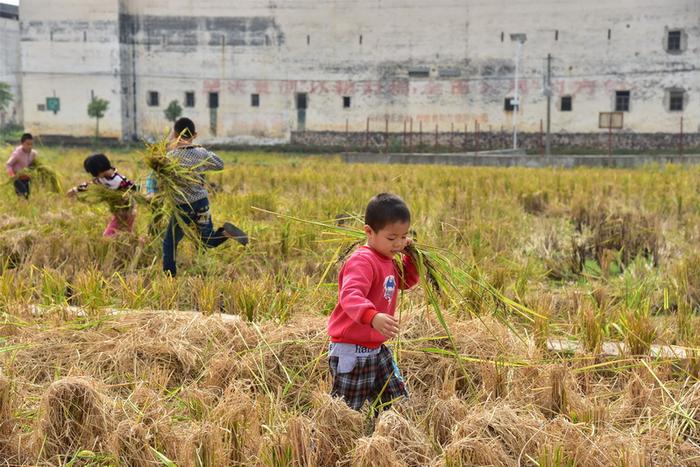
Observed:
{"x":10,"y":66}
{"x":70,"y":50}
{"x":459,"y":141}
{"x":365,"y":50}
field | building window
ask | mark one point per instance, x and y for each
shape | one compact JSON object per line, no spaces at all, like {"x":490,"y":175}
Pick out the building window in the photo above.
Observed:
{"x":556,"y":35}
{"x":346,"y":102}
{"x":189,"y":99}
{"x":255,"y":100}
{"x":153,"y":98}
{"x":449,"y":72}
{"x":213,"y":100}
{"x":508,"y":104}
{"x":419,"y":73}
{"x":675,"y":101}
{"x":673,"y":41}
{"x":622,"y":101}
{"x":566,"y":103}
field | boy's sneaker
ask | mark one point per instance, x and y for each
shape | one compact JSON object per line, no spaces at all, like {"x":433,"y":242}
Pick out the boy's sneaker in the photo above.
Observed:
{"x":234,"y":232}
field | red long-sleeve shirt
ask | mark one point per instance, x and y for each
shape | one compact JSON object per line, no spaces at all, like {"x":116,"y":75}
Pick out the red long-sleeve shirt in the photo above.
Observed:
{"x":367,"y":285}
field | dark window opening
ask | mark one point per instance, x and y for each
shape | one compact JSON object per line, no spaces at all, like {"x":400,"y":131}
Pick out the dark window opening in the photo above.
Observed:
{"x":622,"y":101}
{"x":9,"y":11}
{"x":255,"y":100}
{"x":346,"y":102}
{"x":308,"y":40}
{"x":360,"y":39}
{"x":301,"y":100}
{"x":213,"y":100}
{"x":675,"y":103}
{"x":508,"y":104}
{"x":419,"y":73}
{"x":41,"y":107}
{"x":674,"y":41}
{"x":189,"y":99}
{"x":503,"y":35}
{"x":609,"y":34}
{"x":556,"y":35}
{"x":449,"y":73}
{"x":153,"y":98}
{"x":566,"y":103}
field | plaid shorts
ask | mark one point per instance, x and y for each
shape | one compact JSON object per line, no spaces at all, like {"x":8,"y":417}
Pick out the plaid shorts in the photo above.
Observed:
{"x":375,"y":378}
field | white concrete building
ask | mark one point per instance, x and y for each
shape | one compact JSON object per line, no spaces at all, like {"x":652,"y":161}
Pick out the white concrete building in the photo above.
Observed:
{"x":9,"y":61}
{"x":258,"y":70}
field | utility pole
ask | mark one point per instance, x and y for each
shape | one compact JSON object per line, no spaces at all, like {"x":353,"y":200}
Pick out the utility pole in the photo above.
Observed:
{"x":519,"y":40}
{"x":548,"y":91}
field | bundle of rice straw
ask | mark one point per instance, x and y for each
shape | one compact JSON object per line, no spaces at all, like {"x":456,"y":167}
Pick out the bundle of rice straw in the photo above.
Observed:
{"x":374,"y":451}
{"x":337,"y":427}
{"x":131,"y":444}
{"x":74,"y":416}
{"x":43,"y":176}
{"x":170,"y":178}
{"x":118,"y":201}
{"x":411,"y":446}
{"x":5,"y":404}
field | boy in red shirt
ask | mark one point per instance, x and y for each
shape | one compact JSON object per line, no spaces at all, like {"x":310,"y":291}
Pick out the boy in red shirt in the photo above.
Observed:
{"x":363,"y":368}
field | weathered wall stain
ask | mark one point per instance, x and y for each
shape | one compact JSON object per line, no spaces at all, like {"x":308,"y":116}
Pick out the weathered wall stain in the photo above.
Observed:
{"x":187,"y":32}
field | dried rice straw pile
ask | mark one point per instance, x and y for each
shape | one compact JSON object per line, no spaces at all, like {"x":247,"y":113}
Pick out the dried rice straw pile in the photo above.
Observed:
{"x":337,"y":427}
{"x":74,"y":416}
{"x":410,"y":444}
{"x":374,"y":451}
{"x":507,"y":434}
{"x":131,"y":444}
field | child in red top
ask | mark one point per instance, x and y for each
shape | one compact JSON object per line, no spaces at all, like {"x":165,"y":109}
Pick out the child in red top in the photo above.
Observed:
{"x":363,"y":368}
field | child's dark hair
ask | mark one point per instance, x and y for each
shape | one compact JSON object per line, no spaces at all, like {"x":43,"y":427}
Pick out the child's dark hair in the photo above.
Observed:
{"x":184,"y":127}
{"x":384,"y":209}
{"x":96,"y":164}
{"x":25,"y":137}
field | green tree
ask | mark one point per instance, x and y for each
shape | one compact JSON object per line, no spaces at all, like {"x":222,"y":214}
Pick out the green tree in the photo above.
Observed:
{"x":173,"y":111}
{"x":5,"y":99}
{"x":96,"y":109}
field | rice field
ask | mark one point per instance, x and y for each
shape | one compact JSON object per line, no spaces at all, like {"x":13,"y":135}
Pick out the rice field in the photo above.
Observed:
{"x":565,"y":331}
